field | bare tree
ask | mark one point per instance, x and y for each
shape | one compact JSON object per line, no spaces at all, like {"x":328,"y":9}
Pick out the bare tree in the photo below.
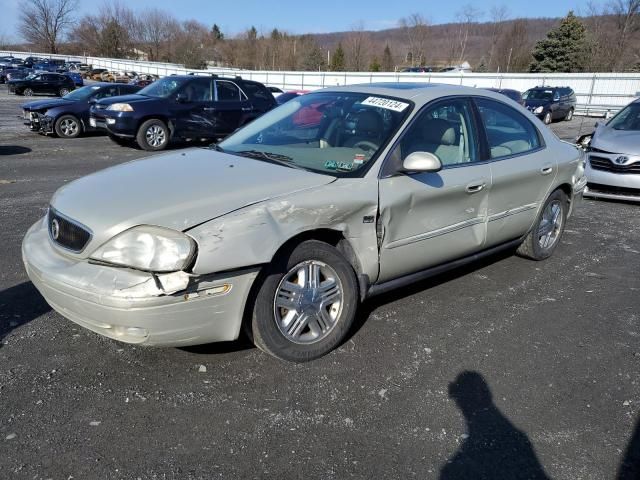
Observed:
{"x":357,"y":46}
{"x":416,"y":28}
{"x":627,"y":19}
{"x":44,"y":22}
{"x":155,"y":31}
{"x":498,"y":16}
{"x":467,"y":15}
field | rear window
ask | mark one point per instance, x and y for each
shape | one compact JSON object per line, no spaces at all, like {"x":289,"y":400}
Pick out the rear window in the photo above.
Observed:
{"x":258,"y":91}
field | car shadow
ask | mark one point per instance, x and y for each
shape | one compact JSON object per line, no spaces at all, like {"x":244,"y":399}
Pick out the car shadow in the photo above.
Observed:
{"x":19,"y":305}
{"x":493,"y":448}
{"x":630,"y":466}
{"x":239,"y":345}
{"x":370,"y":305}
{"x":13,"y":150}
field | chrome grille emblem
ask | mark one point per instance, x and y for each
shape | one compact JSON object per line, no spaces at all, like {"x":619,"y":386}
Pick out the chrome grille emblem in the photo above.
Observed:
{"x":621,"y":160}
{"x":55,"y":229}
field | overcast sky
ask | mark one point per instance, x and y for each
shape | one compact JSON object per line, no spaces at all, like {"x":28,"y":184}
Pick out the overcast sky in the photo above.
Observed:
{"x":311,"y":16}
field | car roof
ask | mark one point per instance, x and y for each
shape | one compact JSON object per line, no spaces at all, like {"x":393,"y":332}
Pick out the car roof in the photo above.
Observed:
{"x":417,"y":92}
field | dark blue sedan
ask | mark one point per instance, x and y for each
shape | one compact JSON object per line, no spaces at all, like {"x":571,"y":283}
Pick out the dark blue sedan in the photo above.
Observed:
{"x":68,"y":116}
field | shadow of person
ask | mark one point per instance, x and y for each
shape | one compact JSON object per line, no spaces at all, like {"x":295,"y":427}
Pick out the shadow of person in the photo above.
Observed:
{"x":19,"y":305}
{"x":630,"y":465}
{"x":494,"y":447}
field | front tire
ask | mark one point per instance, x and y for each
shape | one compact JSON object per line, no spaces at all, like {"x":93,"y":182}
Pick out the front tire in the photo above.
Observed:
{"x":27,"y":92}
{"x":63,"y":91}
{"x":547,"y":118}
{"x":545,"y":235}
{"x":68,"y":126}
{"x":306,"y":303}
{"x":153,"y":135}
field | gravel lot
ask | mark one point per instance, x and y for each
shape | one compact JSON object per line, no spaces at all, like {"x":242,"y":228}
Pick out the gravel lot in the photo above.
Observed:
{"x":511,"y":368}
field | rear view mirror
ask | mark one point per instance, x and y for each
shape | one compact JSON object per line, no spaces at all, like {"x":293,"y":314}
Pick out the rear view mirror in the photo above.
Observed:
{"x":421,"y":162}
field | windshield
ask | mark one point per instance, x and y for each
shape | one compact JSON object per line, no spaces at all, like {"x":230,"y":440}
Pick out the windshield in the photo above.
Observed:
{"x":327,"y":132}
{"x":164,"y":87}
{"x":81,"y":93}
{"x":538,"y":95}
{"x":627,"y":119}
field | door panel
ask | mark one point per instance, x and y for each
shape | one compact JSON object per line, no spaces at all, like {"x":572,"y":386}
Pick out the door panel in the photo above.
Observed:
{"x":192,"y":113}
{"x":431,"y":218}
{"x":522,"y":171}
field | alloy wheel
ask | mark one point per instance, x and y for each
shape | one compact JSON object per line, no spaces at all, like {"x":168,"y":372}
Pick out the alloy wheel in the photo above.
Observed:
{"x":550,"y":225}
{"x":68,"y":127}
{"x":155,"y":136}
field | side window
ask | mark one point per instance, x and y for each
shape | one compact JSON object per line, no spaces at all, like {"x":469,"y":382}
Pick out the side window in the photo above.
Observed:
{"x":446,"y":130}
{"x":107,"y":92}
{"x":258,"y":91}
{"x":508,"y":132}
{"x":227,"y":91}
{"x":199,"y":90}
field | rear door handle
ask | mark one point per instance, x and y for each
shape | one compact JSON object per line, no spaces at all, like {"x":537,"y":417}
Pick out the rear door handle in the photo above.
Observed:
{"x":475,"y":187}
{"x":546,"y":170}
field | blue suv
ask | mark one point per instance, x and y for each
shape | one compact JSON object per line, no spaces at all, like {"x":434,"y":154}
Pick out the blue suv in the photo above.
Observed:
{"x":182,"y":107}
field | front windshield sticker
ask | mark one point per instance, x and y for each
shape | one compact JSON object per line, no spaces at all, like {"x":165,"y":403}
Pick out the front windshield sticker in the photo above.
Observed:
{"x":345,"y":166}
{"x":331,"y":165}
{"x":387,"y":103}
{"x":359,"y":158}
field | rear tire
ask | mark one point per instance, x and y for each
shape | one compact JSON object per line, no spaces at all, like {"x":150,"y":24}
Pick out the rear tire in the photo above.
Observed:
{"x":68,"y":126}
{"x":547,"y":230}
{"x":153,"y":135}
{"x":320,"y":287}
{"x":27,"y":92}
{"x":63,"y":91}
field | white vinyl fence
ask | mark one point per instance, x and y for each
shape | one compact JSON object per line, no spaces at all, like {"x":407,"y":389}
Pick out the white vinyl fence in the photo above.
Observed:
{"x":597,"y":93}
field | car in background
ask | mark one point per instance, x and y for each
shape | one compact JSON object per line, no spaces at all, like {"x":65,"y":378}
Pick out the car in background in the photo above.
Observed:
{"x":185,"y":107}
{"x":76,"y":77}
{"x":289,"y":95}
{"x":5,"y":71}
{"x":275,"y":91}
{"x":29,"y":62}
{"x":550,"y":103}
{"x":613,"y":156}
{"x":19,"y":74}
{"x":417,"y":70}
{"x":68,"y":117}
{"x":95,"y":74}
{"x":514,"y":95}
{"x":47,"y":83}
{"x":115,"y":76}
{"x":282,"y":231}
{"x":50,"y":65}
{"x":142,"y":80}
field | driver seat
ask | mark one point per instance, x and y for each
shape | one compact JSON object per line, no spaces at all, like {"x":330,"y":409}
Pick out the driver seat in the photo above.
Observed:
{"x":368,"y":128}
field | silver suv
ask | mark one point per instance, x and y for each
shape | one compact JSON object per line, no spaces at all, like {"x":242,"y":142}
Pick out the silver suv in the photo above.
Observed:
{"x":284,"y":228}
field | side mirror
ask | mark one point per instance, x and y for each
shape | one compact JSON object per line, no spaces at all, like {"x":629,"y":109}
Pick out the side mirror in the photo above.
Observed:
{"x":597,"y":124}
{"x":93,"y":101}
{"x":182,"y":98}
{"x":421,"y":162}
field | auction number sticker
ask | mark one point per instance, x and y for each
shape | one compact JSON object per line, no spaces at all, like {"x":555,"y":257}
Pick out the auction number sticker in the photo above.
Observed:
{"x":387,"y":103}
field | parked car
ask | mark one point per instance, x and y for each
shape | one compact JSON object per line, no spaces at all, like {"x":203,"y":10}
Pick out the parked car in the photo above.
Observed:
{"x":76,"y":77}
{"x":95,"y":74}
{"x":143,"y":80}
{"x":551,"y":103}
{"x":275,"y":91}
{"x":120,"y":77}
{"x":182,"y":107}
{"x":613,"y":156}
{"x":514,"y":95}
{"x":417,"y":70}
{"x":68,"y":117}
{"x":50,"y":65}
{"x":289,"y":231}
{"x":50,"y":83}
{"x":4,"y":71}
{"x":29,"y":62}
{"x":18,"y":74}
{"x":291,"y":94}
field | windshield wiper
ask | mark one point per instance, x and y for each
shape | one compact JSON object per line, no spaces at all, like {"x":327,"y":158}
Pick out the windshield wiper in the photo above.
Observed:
{"x":269,"y":156}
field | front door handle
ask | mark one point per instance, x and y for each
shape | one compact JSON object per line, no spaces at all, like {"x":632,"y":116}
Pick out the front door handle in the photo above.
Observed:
{"x":546,"y":170}
{"x":475,"y":187}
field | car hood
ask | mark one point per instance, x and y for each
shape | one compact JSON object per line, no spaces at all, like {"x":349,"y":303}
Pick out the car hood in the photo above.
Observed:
{"x":616,"y":141}
{"x":536,"y":103}
{"x":46,"y":104}
{"x":175,"y":190}
{"x":134,"y":98}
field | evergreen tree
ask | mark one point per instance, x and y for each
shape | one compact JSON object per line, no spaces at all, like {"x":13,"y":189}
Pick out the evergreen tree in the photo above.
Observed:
{"x":374,"y":66}
{"x":337,"y":61}
{"x":564,"y":50}
{"x":314,"y":59}
{"x":387,"y":60}
{"x":216,"y":32}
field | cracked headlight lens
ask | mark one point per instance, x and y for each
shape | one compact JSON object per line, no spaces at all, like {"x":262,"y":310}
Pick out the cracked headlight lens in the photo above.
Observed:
{"x":149,"y":248}
{"x":120,"y":107}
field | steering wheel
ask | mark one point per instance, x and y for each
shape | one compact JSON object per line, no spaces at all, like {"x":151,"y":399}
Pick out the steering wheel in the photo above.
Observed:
{"x":366,"y":145}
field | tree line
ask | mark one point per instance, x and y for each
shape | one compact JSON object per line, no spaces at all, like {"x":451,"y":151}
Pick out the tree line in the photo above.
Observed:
{"x":602,"y":37}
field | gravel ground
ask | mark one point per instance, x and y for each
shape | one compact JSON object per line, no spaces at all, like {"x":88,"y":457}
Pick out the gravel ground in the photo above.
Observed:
{"x":507,"y":369}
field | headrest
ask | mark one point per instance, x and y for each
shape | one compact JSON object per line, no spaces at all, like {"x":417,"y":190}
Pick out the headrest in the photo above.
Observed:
{"x":368,"y":121}
{"x":439,"y":131}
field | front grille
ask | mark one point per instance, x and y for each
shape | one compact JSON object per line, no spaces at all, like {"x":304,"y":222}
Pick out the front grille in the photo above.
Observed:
{"x":67,"y":233}
{"x":606,"y":165}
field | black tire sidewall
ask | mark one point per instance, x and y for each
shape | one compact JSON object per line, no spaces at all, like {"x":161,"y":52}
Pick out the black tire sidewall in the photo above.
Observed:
{"x":141,"y":137}
{"x":59,"y":121}
{"x":538,"y":251}
{"x":263,"y":324}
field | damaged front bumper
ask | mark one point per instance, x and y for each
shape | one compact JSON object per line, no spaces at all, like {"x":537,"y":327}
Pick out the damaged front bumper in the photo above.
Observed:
{"x":174,"y":309}
{"x":38,"y":122}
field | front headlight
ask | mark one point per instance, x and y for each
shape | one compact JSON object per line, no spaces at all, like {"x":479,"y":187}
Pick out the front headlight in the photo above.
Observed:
{"x":120,"y":107}
{"x":148,"y":248}
{"x":538,"y":110}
